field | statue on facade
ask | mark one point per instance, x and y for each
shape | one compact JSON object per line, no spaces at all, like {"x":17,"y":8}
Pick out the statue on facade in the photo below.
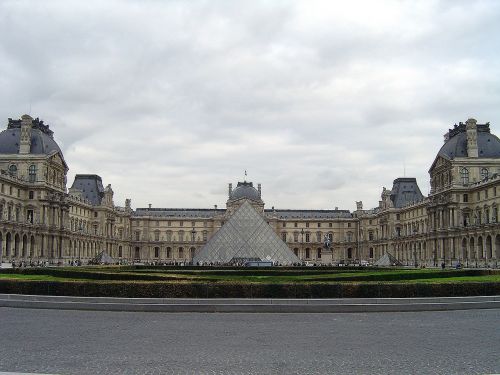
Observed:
{"x":327,"y":243}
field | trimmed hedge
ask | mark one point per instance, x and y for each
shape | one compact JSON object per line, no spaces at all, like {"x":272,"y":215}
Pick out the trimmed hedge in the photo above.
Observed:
{"x":237,"y":290}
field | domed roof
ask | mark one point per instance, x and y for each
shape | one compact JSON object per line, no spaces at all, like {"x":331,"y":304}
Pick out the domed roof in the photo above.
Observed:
{"x":245,"y":190}
{"x":488,"y":145}
{"x":41,"y":138}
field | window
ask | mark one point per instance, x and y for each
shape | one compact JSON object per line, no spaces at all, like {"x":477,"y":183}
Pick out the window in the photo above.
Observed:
{"x":295,"y":225}
{"x":349,"y":253}
{"x":370,"y":235}
{"x":284,"y":224}
{"x":169,"y":236}
{"x":318,"y":237}
{"x":307,"y":225}
{"x":330,"y":225}
{"x":397,"y":217}
{"x":465,"y":198}
{"x":296,"y":252}
{"x":308,"y":237}
{"x":181,"y":223}
{"x":169,"y":252}
{"x":319,"y":225}
{"x":296,"y":236}
{"x":137,"y":236}
{"x":464,"y":175}
{"x":349,"y":237}
{"x":371,"y":252}
{"x":370,"y":222}
{"x":318,"y":254}
{"x":348,"y":225}
{"x":193,"y":224}
{"x":31,"y":194}
{"x":181,"y":252}
{"x":157,"y":252}
{"x":283,"y":236}
{"x":308,"y":253}
{"x":484,"y":173}
{"x":32,"y":173}
{"x":12,"y":170}
{"x":169,"y":223}
{"x":486,"y":194}
{"x":157,"y":236}
{"x":120,"y":252}
{"x":330,"y":237}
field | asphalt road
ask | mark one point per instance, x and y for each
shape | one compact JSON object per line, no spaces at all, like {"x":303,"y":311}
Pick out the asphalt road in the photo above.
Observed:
{"x":87,"y":342}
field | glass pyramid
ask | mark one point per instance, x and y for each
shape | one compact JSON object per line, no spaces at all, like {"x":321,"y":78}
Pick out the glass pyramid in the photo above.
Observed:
{"x":245,"y":236}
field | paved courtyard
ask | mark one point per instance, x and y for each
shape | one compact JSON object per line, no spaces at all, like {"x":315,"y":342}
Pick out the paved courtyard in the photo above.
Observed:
{"x":84,"y":342}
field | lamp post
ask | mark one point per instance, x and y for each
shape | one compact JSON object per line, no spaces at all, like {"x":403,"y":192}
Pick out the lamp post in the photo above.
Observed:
{"x":415,"y":247}
{"x":302,"y":233}
{"x":193,"y":233}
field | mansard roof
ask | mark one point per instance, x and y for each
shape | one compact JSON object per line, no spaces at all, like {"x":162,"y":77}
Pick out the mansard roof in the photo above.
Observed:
{"x":178,"y":212}
{"x":405,"y":191}
{"x":91,"y":187}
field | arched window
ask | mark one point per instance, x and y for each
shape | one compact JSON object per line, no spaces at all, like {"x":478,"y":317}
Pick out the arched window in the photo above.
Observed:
{"x":32,"y":173}
{"x":464,"y":175}
{"x":484,"y":173}
{"x":12,"y":170}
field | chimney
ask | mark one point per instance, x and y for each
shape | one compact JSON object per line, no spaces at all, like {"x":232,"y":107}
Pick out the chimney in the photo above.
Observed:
{"x":25,"y":139}
{"x":215,"y":206}
{"x":259,"y":188}
{"x":471,"y":127}
{"x":149,"y":205}
{"x":230,"y":190}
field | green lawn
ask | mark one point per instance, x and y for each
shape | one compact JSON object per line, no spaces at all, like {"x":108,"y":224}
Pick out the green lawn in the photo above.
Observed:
{"x":270,"y":276}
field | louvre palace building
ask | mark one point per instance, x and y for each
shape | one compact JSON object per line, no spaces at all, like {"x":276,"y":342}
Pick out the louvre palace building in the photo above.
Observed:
{"x":42,"y":219}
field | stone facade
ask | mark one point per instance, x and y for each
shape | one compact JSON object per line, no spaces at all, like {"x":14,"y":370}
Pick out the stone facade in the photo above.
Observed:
{"x":42,"y":220}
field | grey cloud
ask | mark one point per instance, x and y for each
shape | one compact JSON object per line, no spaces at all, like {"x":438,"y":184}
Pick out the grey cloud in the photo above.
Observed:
{"x":324,"y":104}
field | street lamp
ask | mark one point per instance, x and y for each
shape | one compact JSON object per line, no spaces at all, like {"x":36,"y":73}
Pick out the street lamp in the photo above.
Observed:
{"x":193,"y":233}
{"x":415,"y":247}
{"x":302,"y":248}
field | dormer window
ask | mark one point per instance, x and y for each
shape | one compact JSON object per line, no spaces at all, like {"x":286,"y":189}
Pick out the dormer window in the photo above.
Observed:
{"x":13,"y":170}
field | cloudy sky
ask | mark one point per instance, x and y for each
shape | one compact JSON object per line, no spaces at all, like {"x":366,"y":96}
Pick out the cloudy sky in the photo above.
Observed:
{"x":323,"y":102}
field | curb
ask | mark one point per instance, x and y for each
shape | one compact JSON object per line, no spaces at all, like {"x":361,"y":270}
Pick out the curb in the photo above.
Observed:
{"x":173,"y":305}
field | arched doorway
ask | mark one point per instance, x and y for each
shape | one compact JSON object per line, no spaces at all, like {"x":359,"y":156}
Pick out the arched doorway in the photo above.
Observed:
{"x":480,"y":248}
{"x":23,"y":246}
{"x":137,"y":254}
{"x":8,"y":244}
{"x":489,"y":248}
{"x":472,"y":250}
{"x":16,"y":245}
{"x":464,"y":249}
{"x":32,"y":247}
{"x":349,"y":253}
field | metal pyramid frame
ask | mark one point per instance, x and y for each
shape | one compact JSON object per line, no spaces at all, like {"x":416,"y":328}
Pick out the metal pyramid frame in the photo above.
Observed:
{"x":245,"y":236}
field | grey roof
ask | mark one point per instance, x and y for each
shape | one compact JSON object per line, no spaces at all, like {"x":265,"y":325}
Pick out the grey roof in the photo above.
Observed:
{"x":405,"y":191}
{"x":245,"y":190}
{"x":41,"y":139}
{"x":456,"y":146}
{"x":310,"y":214}
{"x":245,"y":236}
{"x":91,"y":187}
{"x":178,"y":212}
